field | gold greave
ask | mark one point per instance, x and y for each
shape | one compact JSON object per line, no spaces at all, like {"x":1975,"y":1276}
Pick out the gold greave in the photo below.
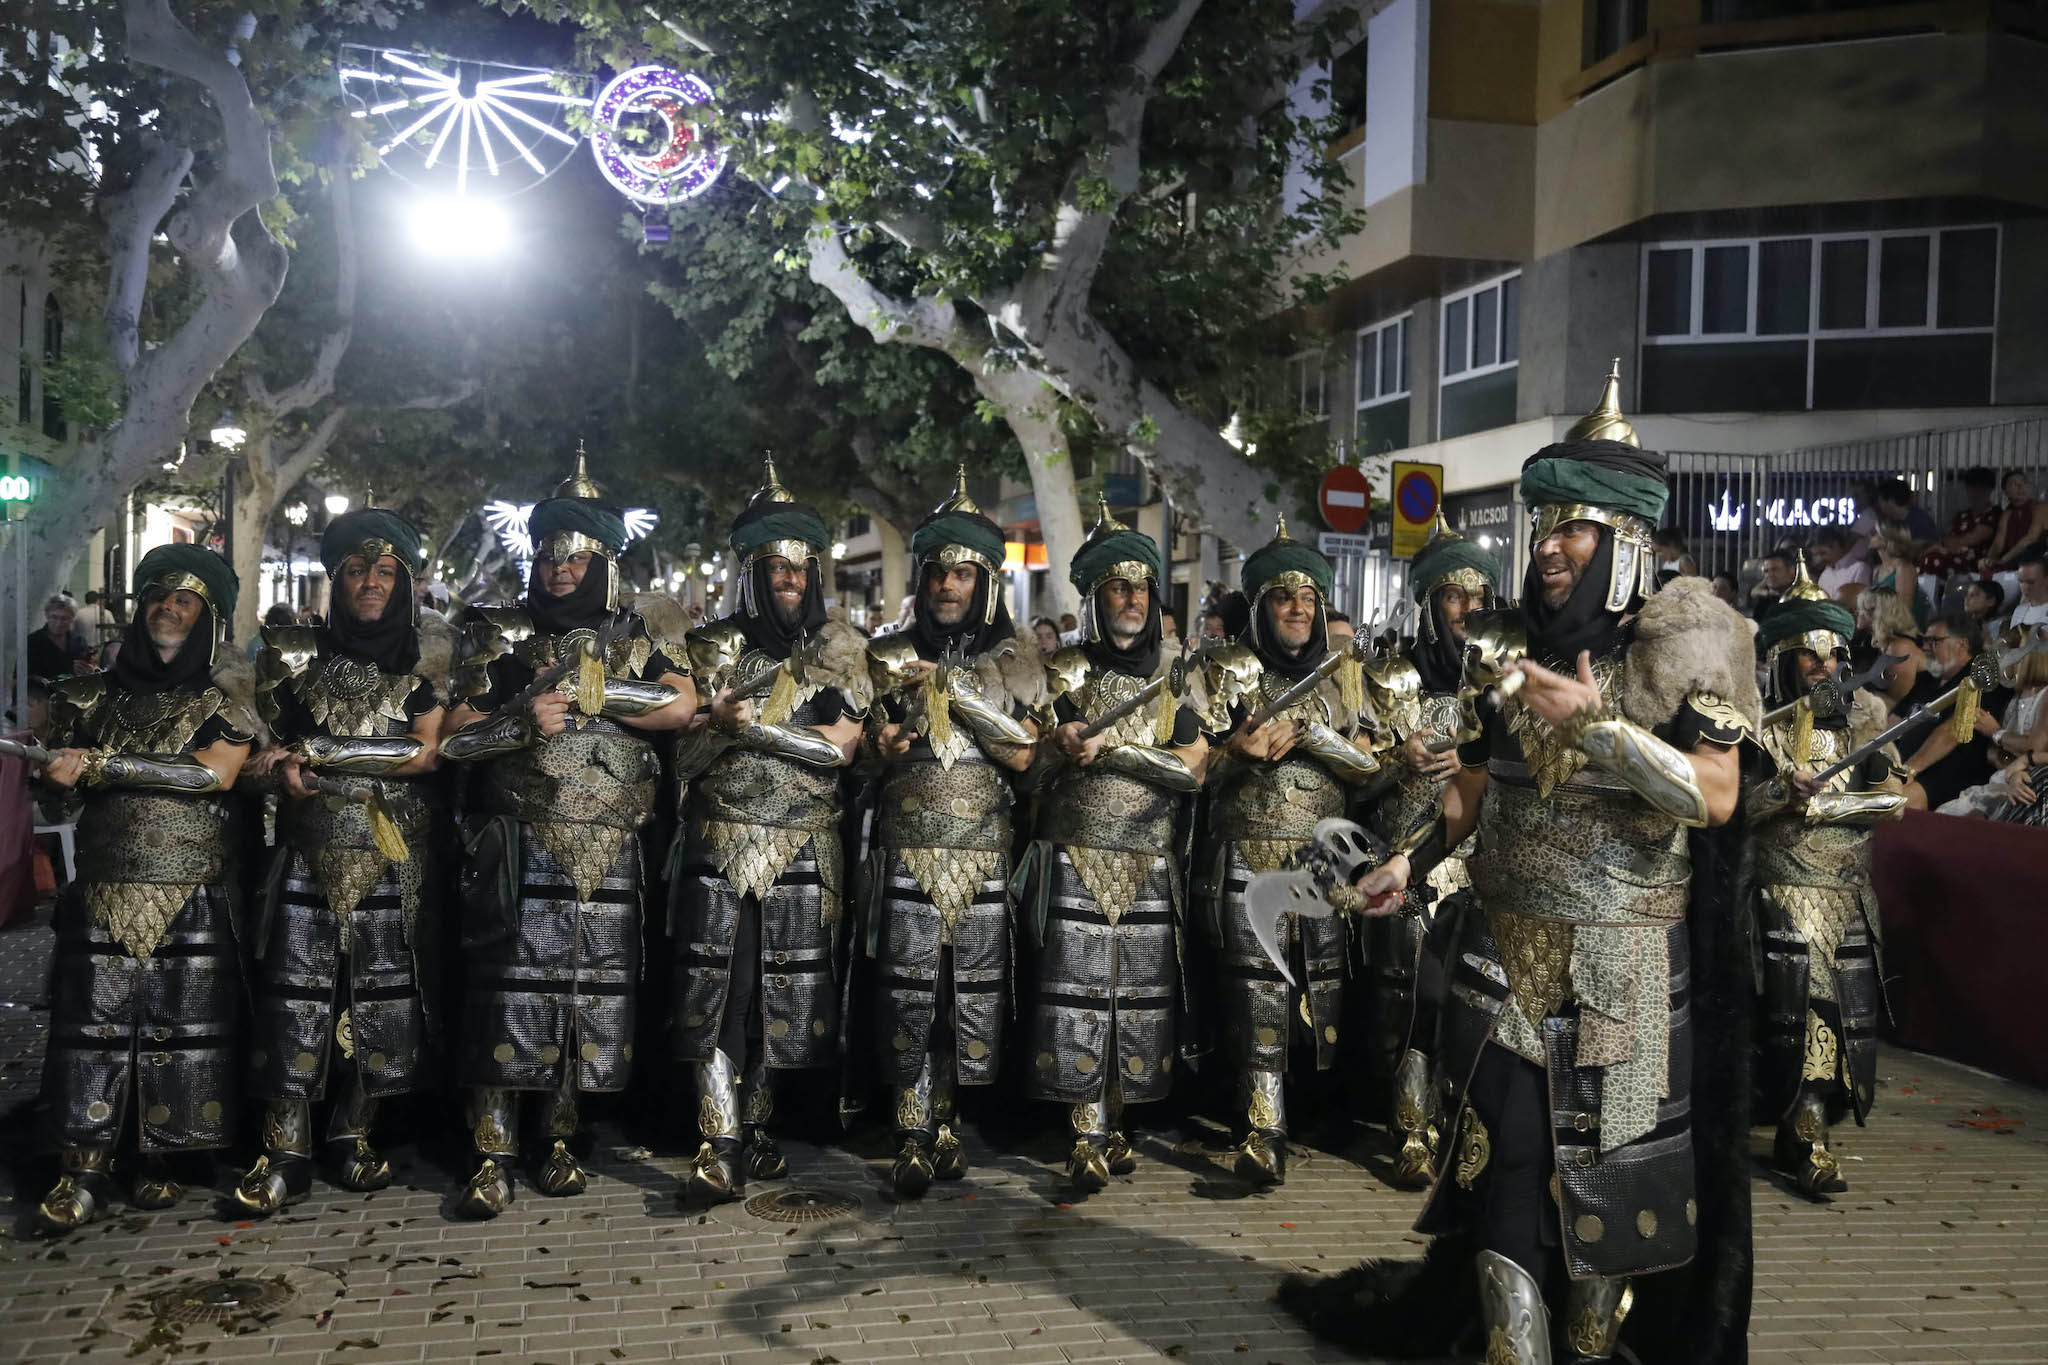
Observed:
{"x":1411,"y":1119}
{"x":915,"y":1110}
{"x":757,"y":1104}
{"x":561,"y":1118}
{"x":288,"y":1127}
{"x":1090,"y":1120}
{"x":718,"y":1100}
{"x":945,"y":1082}
{"x":1512,"y":1313}
{"x":494,"y":1122}
{"x":1264,"y":1094}
{"x":353,"y":1112}
{"x":1594,"y":1310}
{"x":1652,"y":769}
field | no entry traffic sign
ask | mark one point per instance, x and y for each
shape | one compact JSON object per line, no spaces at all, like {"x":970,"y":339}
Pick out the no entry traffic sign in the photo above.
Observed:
{"x":1345,"y":498}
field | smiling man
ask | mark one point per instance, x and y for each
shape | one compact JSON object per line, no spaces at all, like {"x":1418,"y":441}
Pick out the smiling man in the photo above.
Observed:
{"x":146,"y":986}
{"x":952,"y":731}
{"x":757,"y":905}
{"x":1268,"y":788}
{"x":338,"y":1010}
{"x":1105,"y":902}
{"x":566,"y":777}
{"x":1582,"y":1060}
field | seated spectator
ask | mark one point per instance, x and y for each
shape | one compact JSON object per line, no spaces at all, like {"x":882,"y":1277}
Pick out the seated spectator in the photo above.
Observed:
{"x":2023,"y":525}
{"x":1841,"y":577}
{"x":2023,"y":727}
{"x":1941,"y":766}
{"x":1779,"y":568}
{"x":1070,"y":628}
{"x":57,"y":649}
{"x":1896,"y":507}
{"x":2021,"y":742}
{"x":1983,"y":602}
{"x":1047,"y":632}
{"x":1341,"y":632}
{"x":1669,"y":545}
{"x":1898,"y":568}
{"x":1892,"y":630}
{"x":1969,"y":531}
{"x":2032,"y":607}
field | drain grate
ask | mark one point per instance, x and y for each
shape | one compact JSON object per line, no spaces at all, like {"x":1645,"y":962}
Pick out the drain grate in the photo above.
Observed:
{"x":800,"y":1205}
{"x":222,"y":1299}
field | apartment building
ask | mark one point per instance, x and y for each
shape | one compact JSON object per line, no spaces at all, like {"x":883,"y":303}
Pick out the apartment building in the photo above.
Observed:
{"x":1796,"y":223}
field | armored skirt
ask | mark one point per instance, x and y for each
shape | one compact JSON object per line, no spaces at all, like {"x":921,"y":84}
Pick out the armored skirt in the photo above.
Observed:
{"x":143,"y":1044}
{"x":1107,"y":984}
{"x":550,"y":993}
{"x":1822,"y":991}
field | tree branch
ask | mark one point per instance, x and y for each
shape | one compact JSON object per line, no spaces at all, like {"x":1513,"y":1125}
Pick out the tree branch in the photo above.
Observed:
{"x":132,"y":218}
{"x":300,"y":462}
{"x":318,"y":382}
{"x":924,"y":321}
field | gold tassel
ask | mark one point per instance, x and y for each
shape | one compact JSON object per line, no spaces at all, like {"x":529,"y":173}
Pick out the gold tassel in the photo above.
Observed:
{"x":1351,"y":686}
{"x":1162,"y":719}
{"x":781,"y":703}
{"x":384,"y":833}
{"x":1802,"y":732}
{"x":590,"y":682}
{"x":1962,"y":721}
{"x":938,"y":713}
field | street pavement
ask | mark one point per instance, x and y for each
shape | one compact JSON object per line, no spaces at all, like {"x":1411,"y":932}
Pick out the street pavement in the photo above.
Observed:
{"x":1939,"y":1252}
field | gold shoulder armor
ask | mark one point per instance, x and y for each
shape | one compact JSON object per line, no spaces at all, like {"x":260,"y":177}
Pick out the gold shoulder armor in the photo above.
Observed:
{"x":1066,"y":670}
{"x":73,"y":700}
{"x":1494,"y":640}
{"x":1722,"y":715}
{"x":488,"y":634}
{"x":1394,"y":685}
{"x":713,"y":650}
{"x":889,"y":658}
{"x":287,"y":652}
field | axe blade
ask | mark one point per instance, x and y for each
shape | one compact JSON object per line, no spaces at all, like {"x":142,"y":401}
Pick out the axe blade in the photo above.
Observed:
{"x":1270,"y":895}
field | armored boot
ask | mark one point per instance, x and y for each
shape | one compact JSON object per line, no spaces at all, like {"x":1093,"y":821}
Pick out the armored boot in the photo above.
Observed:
{"x":494,"y":1116}
{"x":1801,"y":1147}
{"x":949,"y":1157}
{"x":352,"y":1163}
{"x":714,"y":1176}
{"x":284,"y":1173}
{"x":1088,"y":1163}
{"x":1593,"y":1313}
{"x":154,"y":1186}
{"x":1117,"y":1152}
{"x":82,"y":1192}
{"x":1411,"y":1121}
{"x":1262,"y":1153}
{"x":764,"y":1158}
{"x":1512,"y":1313}
{"x":912,"y":1174}
{"x":560,"y":1173}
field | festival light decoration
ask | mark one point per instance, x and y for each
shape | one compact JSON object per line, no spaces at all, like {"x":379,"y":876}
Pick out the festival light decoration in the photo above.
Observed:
{"x":507,"y":521}
{"x":682,"y":163}
{"x":480,"y":118}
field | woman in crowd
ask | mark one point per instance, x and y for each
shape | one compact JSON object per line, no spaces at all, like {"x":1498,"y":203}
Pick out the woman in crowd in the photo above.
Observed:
{"x":1672,"y":556}
{"x":2025,"y":523}
{"x":1047,"y":632}
{"x":2022,"y":740}
{"x":1889,"y":620}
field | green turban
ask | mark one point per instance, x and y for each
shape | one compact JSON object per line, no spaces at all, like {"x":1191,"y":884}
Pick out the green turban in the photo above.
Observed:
{"x":216,"y":579}
{"x":1101,"y":552}
{"x":1442,"y":558}
{"x":580,"y":516}
{"x":347,"y":533}
{"x":1609,"y":474}
{"x":1797,"y":616}
{"x":970,"y":529}
{"x":1286,"y":556}
{"x":766,"y":521}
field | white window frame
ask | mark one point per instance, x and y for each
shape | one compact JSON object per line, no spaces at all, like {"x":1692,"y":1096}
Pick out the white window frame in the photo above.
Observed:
{"x":1445,"y":380}
{"x":1814,"y":332}
{"x":1310,"y":362}
{"x":1401,"y":324}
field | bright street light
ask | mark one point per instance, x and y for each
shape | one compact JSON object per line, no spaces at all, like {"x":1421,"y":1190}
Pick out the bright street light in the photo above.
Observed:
{"x":460,"y":226}
{"x":227,"y":435}
{"x":337,"y":503}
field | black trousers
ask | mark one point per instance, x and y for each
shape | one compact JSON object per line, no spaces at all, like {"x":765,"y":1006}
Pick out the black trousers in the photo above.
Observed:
{"x":1517,"y":1217}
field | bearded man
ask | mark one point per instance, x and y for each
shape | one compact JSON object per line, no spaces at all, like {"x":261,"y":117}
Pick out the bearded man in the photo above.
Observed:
{"x":1268,"y":788}
{"x":1419,"y":701}
{"x":756,"y":907}
{"x":952,"y":731}
{"x":1814,"y":902}
{"x":559,"y":698}
{"x":1599,"y":1004}
{"x":338,"y":1002}
{"x":1107,"y":885}
{"x":146,"y":984}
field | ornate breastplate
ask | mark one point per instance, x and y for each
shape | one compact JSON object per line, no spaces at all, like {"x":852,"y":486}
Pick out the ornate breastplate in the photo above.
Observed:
{"x":1550,"y":761}
{"x":148,"y":722}
{"x":748,"y":787}
{"x":598,"y":774}
{"x":1791,"y":851}
{"x":624,"y":657}
{"x":348,"y":697}
{"x":1096,"y":809}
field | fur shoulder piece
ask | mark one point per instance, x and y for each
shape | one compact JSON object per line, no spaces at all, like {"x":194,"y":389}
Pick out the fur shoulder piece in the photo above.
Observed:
{"x":438,"y":639}
{"x":1867,"y":718}
{"x":1688,"y":640}
{"x":844,"y":662}
{"x":666,"y":620}
{"x":1017,"y":666}
{"x":235,"y":676}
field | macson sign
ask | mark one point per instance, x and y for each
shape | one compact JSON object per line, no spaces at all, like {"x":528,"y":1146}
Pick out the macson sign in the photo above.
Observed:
{"x":1728,"y":514}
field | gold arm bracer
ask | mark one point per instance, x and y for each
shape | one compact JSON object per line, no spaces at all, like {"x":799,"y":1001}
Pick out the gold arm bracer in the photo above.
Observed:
{"x":631,"y":697}
{"x":797,"y":743}
{"x":1351,"y":764}
{"x":158,"y":774}
{"x":1854,"y":808}
{"x":1652,"y":769}
{"x":990,"y":725}
{"x":1160,"y":767}
{"x":502,"y":732}
{"x":359,"y":757}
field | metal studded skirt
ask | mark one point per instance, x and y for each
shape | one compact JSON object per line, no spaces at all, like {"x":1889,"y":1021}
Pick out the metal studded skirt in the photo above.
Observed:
{"x":302,"y":1004}
{"x":556,"y":990}
{"x":1260,"y":1010}
{"x":908,"y":961}
{"x":1105,"y":995}
{"x":799,"y":993}
{"x":144,"y":1046}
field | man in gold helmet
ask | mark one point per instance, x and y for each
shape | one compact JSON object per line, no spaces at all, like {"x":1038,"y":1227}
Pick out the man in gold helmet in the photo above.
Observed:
{"x":757,"y":903}
{"x":1815,"y":906}
{"x":1105,"y":904}
{"x":1591,"y":1054}
{"x":146,"y":987}
{"x":1267,"y":789}
{"x":558,"y":701}
{"x":951,"y":731}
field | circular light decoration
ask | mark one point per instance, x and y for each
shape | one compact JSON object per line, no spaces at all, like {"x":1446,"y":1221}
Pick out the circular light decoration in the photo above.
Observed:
{"x":679,"y":162}
{"x":477,"y":123}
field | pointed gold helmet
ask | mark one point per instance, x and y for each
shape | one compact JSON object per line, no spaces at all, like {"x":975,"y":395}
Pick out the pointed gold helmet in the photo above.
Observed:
{"x":578,"y":484}
{"x":1803,"y":588}
{"x":771,"y":489}
{"x":960,"y":501}
{"x":1605,"y":422}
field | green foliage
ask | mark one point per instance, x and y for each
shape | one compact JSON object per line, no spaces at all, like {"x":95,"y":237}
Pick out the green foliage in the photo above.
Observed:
{"x":84,"y":383}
